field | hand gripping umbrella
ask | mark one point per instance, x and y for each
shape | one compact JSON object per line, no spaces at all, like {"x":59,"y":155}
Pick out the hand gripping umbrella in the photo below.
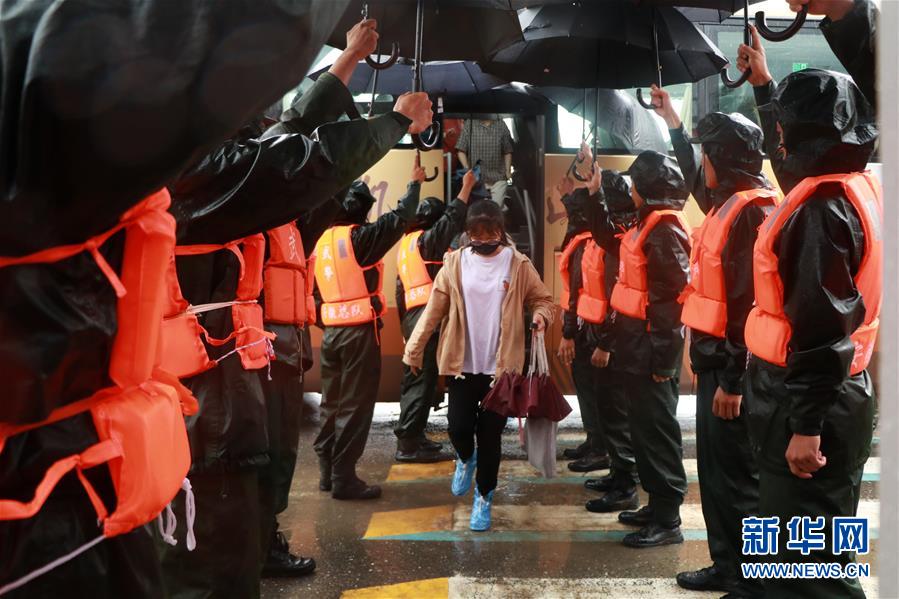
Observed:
{"x":725,"y":78}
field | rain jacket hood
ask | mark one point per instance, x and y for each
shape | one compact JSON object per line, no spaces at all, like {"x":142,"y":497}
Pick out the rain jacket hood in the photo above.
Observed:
{"x":659,"y":181}
{"x":735,"y":147}
{"x":428,"y":213}
{"x":576,"y":211}
{"x":828,"y":126}
{"x":617,"y":194}
{"x":356,"y":204}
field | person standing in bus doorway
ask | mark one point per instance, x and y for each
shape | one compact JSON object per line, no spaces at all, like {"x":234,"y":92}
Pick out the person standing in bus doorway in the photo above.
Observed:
{"x":480,"y":296}
{"x":419,"y":259}
{"x":349,"y":271}
{"x":612,"y":213}
{"x":488,"y":143}
{"x":649,"y":342}
{"x":583,"y":302}
{"x":728,"y":184}
{"x":818,"y":292}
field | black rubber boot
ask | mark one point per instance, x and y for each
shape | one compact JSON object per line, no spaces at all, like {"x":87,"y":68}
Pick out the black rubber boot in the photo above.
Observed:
{"x":590,"y":462}
{"x":411,"y":451}
{"x":654,"y":535}
{"x":280,"y":562}
{"x":616,"y":500}
{"x":429,"y":445}
{"x":576,"y":453}
{"x":641,"y":517}
{"x":357,"y":489}
{"x":705,"y":579}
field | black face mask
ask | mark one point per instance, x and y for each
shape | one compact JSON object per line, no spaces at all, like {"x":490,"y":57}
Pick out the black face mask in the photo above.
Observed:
{"x":485,"y":249}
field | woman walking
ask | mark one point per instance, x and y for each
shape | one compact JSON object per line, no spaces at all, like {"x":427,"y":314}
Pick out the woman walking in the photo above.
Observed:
{"x":479,"y":302}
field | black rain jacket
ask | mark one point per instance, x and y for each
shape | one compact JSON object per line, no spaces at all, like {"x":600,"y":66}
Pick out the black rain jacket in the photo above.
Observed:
{"x":656,"y":345}
{"x":820,"y":249}
{"x":708,"y":352}
{"x":230,"y":428}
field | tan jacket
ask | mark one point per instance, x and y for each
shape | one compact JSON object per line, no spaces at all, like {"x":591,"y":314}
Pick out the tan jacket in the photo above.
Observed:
{"x":447,"y":309}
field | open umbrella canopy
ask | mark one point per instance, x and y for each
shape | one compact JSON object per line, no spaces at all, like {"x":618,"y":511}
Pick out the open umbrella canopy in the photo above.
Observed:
{"x":445,"y":78}
{"x":606,"y":44}
{"x":702,"y":10}
{"x":453,"y":29}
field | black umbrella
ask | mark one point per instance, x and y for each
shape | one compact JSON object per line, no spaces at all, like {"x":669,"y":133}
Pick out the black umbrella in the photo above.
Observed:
{"x":443,"y":78}
{"x":452,"y":29}
{"x":726,"y":8}
{"x":607,"y":44}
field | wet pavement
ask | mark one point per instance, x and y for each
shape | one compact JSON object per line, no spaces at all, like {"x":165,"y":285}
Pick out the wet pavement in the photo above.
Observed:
{"x":415,"y":542}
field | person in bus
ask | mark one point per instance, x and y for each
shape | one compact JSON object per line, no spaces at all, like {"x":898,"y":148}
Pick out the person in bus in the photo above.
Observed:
{"x":349,"y":288}
{"x":419,"y":259}
{"x":487,"y":143}
{"x":583,"y":302}
{"x":479,"y":299}
{"x":612,"y":212}
{"x":818,"y":293}
{"x":649,"y":342}
{"x":727,"y":182}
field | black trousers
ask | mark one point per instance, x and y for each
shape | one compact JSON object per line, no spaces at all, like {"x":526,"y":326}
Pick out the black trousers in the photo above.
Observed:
{"x":833,"y":491}
{"x":418,"y":392}
{"x":658,"y":446}
{"x":226,"y":560}
{"x":588,"y":395}
{"x":467,"y":422}
{"x":612,"y":412}
{"x":284,"y":403}
{"x":728,"y":481}
{"x":351,"y":373}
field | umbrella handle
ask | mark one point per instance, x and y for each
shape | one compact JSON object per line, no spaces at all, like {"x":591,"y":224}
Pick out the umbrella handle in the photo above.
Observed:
{"x":644,"y":103}
{"x":436,"y":170}
{"x":429,"y":139}
{"x":779,"y":36}
{"x":572,"y":170}
{"x":734,"y":83}
{"x":391,"y":60}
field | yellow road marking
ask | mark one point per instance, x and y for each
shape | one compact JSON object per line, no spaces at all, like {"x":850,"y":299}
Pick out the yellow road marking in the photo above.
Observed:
{"x":404,"y":522}
{"x":434,"y":588}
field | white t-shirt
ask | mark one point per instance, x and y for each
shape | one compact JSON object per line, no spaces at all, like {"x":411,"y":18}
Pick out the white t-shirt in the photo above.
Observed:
{"x":485,"y":282}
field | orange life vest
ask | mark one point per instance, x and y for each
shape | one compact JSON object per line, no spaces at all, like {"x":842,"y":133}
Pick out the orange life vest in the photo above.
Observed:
{"x":140,"y":418}
{"x":768,"y":330}
{"x":413,"y":271}
{"x":705,"y":298}
{"x":181,"y":348}
{"x":346,"y":300}
{"x":631,"y":293}
{"x":287,"y":279}
{"x":592,"y":303}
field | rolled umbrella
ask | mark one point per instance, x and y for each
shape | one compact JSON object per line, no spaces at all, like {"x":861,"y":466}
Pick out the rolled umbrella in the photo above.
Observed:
{"x":452,"y":29}
{"x":608,"y":44}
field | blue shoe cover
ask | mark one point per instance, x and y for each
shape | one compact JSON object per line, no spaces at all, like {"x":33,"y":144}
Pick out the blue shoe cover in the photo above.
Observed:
{"x":464,"y":474}
{"x":480,"y":511}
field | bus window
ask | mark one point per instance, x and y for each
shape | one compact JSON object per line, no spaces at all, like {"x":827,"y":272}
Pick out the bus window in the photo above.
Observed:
{"x":807,"y":49}
{"x":624,"y":126}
